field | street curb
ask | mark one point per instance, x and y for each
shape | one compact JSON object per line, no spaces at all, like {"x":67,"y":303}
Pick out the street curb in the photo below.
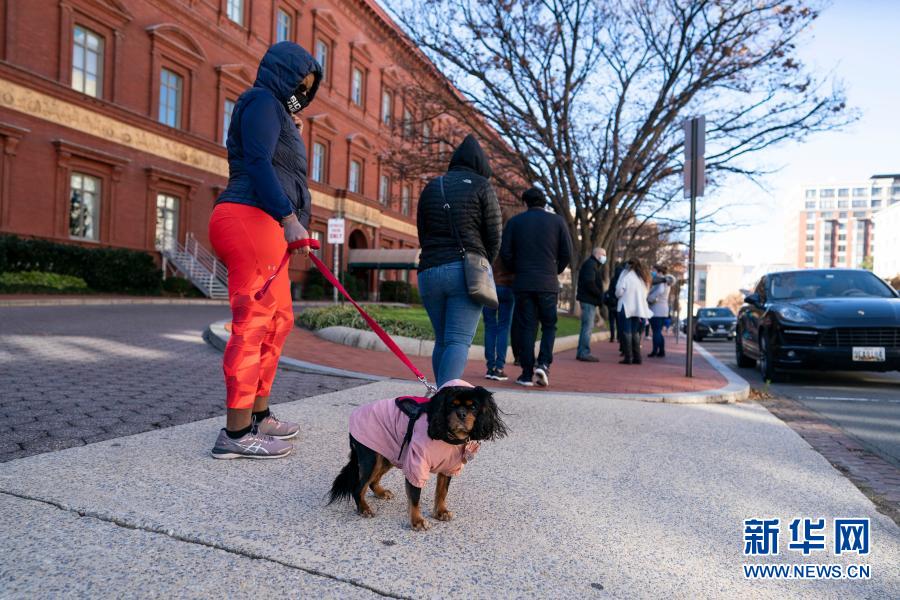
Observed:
{"x":82,"y":301}
{"x":217,"y":336}
{"x":736,"y":390}
{"x":107,"y":301}
{"x":368,"y":340}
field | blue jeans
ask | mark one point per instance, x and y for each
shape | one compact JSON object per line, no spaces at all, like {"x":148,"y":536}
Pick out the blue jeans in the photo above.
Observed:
{"x":659,"y":342}
{"x":454,"y":317}
{"x":587,"y":325}
{"x":496,"y":328}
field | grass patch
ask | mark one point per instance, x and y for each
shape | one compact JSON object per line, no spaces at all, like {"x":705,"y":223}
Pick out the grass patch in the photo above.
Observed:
{"x":39,"y":282}
{"x":410,"y":321}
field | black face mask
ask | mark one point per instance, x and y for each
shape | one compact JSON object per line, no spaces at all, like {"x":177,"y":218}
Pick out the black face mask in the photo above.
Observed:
{"x":298,"y":100}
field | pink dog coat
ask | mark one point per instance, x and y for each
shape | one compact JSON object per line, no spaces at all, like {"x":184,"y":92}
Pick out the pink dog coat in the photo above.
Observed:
{"x":381,"y":426}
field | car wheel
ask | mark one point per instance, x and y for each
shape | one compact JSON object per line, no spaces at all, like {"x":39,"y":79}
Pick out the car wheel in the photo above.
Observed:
{"x":766,"y":360}
{"x":743,"y":361}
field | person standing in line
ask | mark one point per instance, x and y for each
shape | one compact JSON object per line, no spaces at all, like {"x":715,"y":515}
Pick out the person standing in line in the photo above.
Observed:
{"x":658,"y":299}
{"x":590,"y":295}
{"x":497,"y":323}
{"x":536,"y":248}
{"x":458,"y":207}
{"x":612,"y":307}
{"x":632,"y":293}
{"x":265,"y":206}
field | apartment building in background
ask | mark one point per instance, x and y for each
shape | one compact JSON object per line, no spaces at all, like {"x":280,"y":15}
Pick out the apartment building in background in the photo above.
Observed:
{"x":833,"y":224}
{"x":887,"y":258}
{"x":716,"y":276}
{"x":114,"y":113}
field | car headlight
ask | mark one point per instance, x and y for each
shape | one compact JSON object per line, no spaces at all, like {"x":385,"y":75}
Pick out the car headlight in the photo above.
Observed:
{"x":792,"y":313}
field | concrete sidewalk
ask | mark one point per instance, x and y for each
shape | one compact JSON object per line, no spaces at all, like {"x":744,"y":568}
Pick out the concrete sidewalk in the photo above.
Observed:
{"x":620,"y":499}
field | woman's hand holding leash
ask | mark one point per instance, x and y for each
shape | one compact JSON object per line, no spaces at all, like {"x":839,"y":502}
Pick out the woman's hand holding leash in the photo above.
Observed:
{"x":294,"y":231}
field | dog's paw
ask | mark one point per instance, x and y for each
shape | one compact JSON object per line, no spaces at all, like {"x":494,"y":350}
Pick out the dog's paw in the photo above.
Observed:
{"x":443,"y":515}
{"x":367,"y":512}
{"x":420,"y":525}
{"x":384,"y":494}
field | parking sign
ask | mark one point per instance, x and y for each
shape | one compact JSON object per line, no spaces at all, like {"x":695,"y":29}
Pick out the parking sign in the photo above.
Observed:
{"x":335,"y":231}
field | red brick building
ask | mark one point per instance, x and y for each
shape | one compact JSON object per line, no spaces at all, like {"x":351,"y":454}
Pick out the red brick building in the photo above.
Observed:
{"x":113,"y":115}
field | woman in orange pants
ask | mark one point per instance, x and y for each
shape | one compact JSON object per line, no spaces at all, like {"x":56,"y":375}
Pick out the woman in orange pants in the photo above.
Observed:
{"x":265,"y":205}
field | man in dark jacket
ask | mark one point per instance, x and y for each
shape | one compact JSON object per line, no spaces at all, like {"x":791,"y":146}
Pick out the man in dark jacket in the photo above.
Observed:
{"x":537,"y":248}
{"x":590,"y":295}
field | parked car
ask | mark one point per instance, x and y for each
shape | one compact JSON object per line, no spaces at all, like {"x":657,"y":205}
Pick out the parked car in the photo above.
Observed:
{"x":844,"y":319}
{"x":712,"y":323}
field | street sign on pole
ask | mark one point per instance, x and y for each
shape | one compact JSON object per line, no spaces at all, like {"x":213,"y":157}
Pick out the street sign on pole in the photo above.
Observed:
{"x":694,"y":161}
{"x":336,"y":231}
{"x":336,"y":237}
{"x":694,"y":184}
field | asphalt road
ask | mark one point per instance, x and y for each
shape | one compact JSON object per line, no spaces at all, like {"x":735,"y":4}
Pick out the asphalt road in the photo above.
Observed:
{"x":73,"y":375}
{"x":865,"y":405}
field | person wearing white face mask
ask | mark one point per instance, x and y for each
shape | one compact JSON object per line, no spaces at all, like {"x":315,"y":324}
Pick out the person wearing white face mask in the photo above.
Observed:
{"x":590,"y":295}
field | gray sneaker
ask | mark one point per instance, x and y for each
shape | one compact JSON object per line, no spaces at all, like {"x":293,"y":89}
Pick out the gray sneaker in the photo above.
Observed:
{"x":252,"y":445}
{"x":280,"y":430}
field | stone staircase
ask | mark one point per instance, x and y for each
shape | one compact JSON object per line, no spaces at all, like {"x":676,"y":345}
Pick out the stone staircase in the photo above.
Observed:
{"x":198,"y":265}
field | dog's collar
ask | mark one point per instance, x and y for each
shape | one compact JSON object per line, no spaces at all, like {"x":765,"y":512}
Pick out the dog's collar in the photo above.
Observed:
{"x":457,"y":441}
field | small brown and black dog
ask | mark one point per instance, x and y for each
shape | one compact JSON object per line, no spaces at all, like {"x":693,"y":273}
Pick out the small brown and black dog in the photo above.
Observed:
{"x":388,"y":433}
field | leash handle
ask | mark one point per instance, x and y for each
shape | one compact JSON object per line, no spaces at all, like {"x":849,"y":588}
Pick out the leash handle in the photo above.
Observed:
{"x":312,"y":243}
{"x":326,"y":272}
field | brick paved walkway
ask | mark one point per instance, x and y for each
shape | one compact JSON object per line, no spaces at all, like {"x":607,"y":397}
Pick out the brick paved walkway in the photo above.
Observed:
{"x":874,"y":476}
{"x":71,"y":375}
{"x":566,"y":374}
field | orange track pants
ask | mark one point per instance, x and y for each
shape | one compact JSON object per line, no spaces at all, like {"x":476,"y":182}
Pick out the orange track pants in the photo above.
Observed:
{"x":251,"y":244}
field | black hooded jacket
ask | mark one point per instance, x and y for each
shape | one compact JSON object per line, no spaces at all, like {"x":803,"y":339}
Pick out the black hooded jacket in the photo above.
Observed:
{"x":267,"y":165}
{"x":473,"y":206}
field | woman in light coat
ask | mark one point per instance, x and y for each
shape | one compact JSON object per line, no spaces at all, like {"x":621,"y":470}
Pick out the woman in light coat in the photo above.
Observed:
{"x":659,"y":306}
{"x":632,"y":291}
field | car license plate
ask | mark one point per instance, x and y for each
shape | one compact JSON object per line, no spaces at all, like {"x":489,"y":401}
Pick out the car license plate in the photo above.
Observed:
{"x":721,"y":328}
{"x":868,"y":354}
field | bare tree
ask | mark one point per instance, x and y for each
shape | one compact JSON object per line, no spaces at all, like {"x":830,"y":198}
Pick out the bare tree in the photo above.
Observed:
{"x":589,"y":95}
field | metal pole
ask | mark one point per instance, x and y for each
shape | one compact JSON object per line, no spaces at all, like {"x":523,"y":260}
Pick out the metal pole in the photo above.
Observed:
{"x":336,"y":270}
{"x":689,"y":332}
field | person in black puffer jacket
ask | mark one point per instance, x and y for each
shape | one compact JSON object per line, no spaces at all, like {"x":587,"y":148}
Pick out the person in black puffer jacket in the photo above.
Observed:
{"x":472,"y":205}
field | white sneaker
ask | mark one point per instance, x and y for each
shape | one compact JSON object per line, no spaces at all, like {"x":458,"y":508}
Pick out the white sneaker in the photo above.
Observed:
{"x":542,"y":375}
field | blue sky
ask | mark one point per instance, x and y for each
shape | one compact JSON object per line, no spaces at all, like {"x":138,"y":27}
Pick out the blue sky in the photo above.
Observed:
{"x":859,"y":41}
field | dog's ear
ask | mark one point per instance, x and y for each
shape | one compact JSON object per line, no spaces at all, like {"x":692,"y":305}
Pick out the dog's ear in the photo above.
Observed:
{"x":437,"y":413}
{"x":488,"y":424}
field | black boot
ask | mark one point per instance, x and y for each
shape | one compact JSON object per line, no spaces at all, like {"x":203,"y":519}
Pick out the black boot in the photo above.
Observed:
{"x":636,"y":348}
{"x":625,"y":341}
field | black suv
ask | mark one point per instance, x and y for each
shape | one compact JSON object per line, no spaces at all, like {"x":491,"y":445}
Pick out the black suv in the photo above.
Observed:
{"x":712,"y":323}
{"x":844,"y":319}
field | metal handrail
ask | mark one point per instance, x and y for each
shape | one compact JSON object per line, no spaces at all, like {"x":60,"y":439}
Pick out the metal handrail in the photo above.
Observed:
{"x":206,"y":258}
{"x":199,"y":264}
